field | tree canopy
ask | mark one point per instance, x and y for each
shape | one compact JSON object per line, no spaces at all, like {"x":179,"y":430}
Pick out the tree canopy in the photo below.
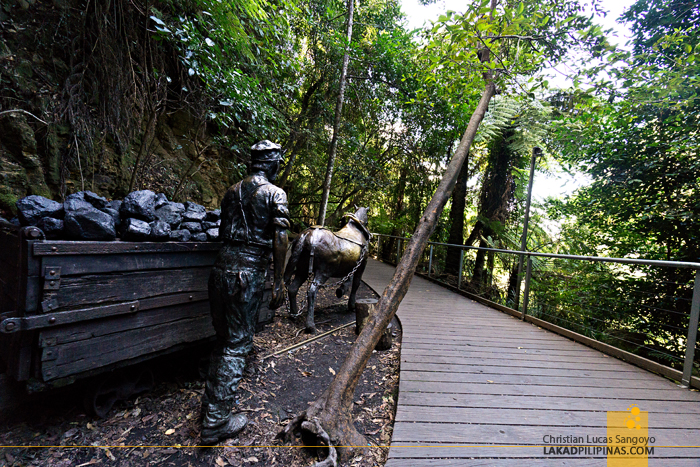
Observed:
{"x":441,"y":117}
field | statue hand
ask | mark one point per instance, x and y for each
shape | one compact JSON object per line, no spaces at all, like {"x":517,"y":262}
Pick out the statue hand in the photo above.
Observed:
{"x":278,"y":294}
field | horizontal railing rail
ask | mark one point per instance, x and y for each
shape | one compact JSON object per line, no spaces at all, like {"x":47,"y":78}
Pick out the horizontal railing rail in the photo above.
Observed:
{"x":648,"y":262}
{"x":578,"y":310}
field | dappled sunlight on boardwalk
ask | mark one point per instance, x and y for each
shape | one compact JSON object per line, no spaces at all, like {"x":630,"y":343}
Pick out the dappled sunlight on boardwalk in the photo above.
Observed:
{"x":480,"y":387}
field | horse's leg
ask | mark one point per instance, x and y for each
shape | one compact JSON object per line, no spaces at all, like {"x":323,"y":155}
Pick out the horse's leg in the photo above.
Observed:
{"x":293,"y":289}
{"x":356,"y":279}
{"x":311,"y":298}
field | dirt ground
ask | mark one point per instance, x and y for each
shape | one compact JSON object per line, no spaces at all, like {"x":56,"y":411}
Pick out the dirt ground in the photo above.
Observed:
{"x":161,"y":426}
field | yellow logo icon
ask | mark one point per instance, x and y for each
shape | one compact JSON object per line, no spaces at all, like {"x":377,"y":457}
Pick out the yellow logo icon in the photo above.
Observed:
{"x":635,"y":419}
{"x":628,"y":438}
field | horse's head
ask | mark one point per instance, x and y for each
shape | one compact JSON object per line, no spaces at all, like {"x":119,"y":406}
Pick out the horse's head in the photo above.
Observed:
{"x":361,"y":215}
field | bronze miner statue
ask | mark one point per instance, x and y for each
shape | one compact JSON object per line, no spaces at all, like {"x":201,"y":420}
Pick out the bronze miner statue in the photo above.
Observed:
{"x":319,"y":254}
{"x":254,"y":223}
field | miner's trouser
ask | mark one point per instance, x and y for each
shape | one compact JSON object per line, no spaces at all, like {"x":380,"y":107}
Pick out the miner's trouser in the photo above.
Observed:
{"x":236,"y":287}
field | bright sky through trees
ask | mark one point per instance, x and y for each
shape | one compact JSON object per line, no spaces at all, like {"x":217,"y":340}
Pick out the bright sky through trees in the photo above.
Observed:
{"x":545,"y":185}
{"x":418,"y":14}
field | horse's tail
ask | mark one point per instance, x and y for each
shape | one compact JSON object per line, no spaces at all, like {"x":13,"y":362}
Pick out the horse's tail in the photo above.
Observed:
{"x":297,"y":248}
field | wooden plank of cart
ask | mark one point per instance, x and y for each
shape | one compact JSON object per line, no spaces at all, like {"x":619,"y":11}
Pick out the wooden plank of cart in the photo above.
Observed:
{"x":73,"y":309}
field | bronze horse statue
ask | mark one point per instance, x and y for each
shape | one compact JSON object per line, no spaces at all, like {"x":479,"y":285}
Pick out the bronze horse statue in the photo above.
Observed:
{"x":319,"y":254}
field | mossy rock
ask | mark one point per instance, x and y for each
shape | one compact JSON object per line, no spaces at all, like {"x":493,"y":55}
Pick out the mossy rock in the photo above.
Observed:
{"x":8,"y":201}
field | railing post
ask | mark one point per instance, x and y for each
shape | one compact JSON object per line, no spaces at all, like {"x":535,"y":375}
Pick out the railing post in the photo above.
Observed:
{"x":523,"y":239}
{"x":692,"y":332}
{"x":430,"y":261}
{"x":461,"y":264}
{"x":398,"y":252}
{"x":526,"y":295}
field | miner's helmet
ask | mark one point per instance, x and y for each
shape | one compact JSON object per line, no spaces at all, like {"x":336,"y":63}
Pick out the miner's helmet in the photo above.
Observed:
{"x":266,"y":151}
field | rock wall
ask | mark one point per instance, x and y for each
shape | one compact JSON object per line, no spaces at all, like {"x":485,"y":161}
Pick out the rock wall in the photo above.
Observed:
{"x":37,"y":147}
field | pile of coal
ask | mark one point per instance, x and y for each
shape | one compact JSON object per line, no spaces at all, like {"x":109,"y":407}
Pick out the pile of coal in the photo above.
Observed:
{"x":141,"y":216}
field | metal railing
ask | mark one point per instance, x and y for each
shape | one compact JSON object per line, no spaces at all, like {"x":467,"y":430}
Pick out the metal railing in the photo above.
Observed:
{"x":647,"y":308}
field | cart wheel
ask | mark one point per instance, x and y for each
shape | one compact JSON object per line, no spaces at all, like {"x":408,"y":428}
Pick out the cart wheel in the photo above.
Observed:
{"x":100,"y":398}
{"x":98,"y":401}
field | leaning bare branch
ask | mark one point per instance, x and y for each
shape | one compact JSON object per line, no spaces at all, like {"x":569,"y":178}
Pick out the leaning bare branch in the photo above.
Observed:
{"x":20,"y":111}
{"x":515,"y":36}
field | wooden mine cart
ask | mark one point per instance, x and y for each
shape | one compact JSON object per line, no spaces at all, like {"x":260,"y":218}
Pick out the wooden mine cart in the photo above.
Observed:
{"x":71,"y":309}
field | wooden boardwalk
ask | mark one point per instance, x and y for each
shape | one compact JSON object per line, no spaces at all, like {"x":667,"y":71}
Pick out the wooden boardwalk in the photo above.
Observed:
{"x":480,"y":387}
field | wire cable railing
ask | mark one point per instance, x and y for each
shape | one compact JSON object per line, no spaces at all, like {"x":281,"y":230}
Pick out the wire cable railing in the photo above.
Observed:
{"x":625,"y":303}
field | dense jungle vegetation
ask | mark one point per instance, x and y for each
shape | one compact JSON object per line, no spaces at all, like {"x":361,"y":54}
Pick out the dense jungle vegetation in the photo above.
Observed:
{"x":117,"y":95}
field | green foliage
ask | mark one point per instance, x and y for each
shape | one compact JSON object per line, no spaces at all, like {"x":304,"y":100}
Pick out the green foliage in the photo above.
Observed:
{"x":240,"y":52}
{"x":518,"y":40}
{"x":640,"y":146}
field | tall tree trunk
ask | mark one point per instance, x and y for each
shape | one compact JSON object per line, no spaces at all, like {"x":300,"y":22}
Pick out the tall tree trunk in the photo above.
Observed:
{"x":296,"y":141}
{"x":475,"y":233}
{"x":497,"y":193}
{"x":513,"y":286}
{"x":336,"y":122}
{"x":288,"y":166}
{"x":333,"y":410}
{"x":459,"y":195}
{"x":343,"y":205}
{"x":388,"y":253}
{"x":478,"y":274}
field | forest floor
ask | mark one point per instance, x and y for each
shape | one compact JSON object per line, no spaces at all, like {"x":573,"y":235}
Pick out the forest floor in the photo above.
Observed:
{"x":162,"y":426}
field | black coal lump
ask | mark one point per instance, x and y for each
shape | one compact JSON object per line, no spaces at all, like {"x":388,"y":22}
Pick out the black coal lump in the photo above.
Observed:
{"x":171,"y":213}
{"x":160,"y":231}
{"x":136,"y":230}
{"x":193,"y":227}
{"x":213,"y":234}
{"x":88,"y":223}
{"x":52,"y":228}
{"x":161,"y":200}
{"x":115,"y":215}
{"x":199,"y":237}
{"x":96,"y":200}
{"x":213,"y":216}
{"x":75,"y":202}
{"x":33,"y":208}
{"x":139,"y":205}
{"x":194,"y":212}
{"x":180,"y":236}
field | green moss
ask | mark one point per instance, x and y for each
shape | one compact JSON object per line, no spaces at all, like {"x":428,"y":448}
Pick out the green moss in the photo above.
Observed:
{"x":8,"y":202}
{"x":41,"y":189}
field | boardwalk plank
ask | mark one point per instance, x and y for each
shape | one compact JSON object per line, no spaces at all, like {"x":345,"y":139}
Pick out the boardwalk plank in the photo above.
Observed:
{"x":530,"y":417}
{"x":534,"y":337}
{"x":424,"y":432}
{"x":527,"y":462}
{"x":690,"y":408}
{"x":505,"y":378}
{"x":428,"y":387}
{"x":499,"y":350}
{"x":425,"y":451}
{"x":476,"y":342}
{"x":455,"y":356}
{"x":568,"y":369}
